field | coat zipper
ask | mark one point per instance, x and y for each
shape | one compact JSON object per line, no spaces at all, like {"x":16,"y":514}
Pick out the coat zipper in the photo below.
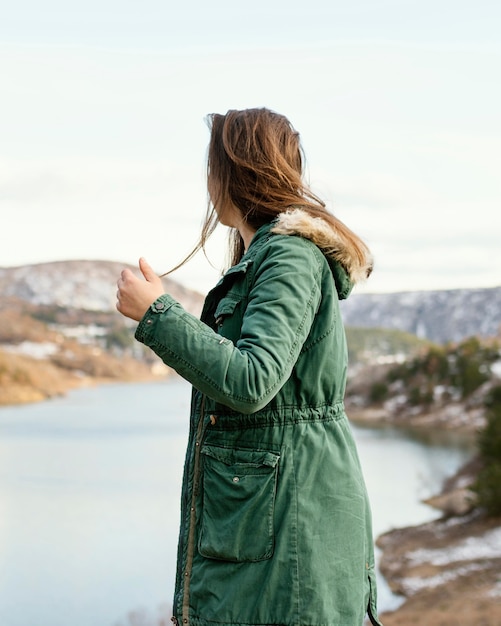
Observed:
{"x":192,"y":515}
{"x":374,"y":620}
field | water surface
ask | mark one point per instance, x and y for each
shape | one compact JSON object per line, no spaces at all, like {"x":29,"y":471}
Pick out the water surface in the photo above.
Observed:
{"x":89,"y":497}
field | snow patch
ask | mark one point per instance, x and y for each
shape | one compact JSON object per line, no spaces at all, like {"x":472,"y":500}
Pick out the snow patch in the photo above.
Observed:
{"x":414,"y":584}
{"x":35,"y":350}
{"x":496,"y":369}
{"x":495,"y":592}
{"x":487,"y":546}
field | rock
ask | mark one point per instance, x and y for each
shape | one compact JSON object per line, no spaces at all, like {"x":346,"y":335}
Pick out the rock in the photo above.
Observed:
{"x":454,"y":503}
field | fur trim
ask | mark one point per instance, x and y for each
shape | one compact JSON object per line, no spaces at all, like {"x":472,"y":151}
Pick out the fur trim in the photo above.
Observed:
{"x":299,"y":222}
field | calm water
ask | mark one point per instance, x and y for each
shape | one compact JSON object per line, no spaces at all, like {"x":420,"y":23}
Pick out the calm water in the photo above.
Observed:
{"x":89,"y":490}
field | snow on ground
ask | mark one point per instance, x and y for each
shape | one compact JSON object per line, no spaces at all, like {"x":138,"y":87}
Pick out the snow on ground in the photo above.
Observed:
{"x":496,"y":368}
{"x":486,"y":546}
{"x":414,"y":584}
{"x":495,"y":592}
{"x":473,"y":554}
{"x":33,"y":349}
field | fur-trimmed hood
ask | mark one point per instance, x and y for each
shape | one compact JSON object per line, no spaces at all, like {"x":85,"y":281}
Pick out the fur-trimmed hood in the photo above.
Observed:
{"x":324,"y":236}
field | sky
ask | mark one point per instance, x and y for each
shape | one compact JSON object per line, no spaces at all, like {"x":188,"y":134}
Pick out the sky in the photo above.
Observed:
{"x":103,"y":136}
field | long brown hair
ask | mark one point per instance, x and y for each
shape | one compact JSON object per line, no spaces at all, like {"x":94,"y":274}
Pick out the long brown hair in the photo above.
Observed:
{"x":255,"y":164}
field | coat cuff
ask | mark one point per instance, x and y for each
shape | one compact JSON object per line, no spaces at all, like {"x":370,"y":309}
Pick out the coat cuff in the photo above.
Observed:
{"x":160,"y":305}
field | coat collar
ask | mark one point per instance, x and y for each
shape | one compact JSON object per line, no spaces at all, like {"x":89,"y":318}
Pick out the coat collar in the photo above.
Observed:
{"x":297,"y":222}
{"x":346,"y":270}
{"x":336,"y":248}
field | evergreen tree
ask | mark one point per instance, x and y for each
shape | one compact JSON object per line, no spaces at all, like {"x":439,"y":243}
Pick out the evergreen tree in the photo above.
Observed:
{"x":488,"y":483}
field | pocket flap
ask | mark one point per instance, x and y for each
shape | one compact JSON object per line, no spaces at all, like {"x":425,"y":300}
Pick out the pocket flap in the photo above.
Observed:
{"x":232,"y":456}
{"x":226,"y":306}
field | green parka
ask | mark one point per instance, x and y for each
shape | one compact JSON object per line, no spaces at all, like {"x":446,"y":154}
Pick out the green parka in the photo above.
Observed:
{"x":275,"y":521}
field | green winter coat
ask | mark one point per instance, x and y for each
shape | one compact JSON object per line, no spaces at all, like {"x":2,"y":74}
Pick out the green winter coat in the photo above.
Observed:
{"x":275,"y":522}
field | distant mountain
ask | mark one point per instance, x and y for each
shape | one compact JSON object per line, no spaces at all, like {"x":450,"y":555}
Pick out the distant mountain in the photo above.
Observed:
{"x":85,"y":285}
{"x":438,"y":316}
{"x":59,"y":329}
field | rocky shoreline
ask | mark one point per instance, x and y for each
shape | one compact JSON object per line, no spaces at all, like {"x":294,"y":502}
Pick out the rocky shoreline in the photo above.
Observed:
{"x":453,"y":418}
{"x":447,"y":571}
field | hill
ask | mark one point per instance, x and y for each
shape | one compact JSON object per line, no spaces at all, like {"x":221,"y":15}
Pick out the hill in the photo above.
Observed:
{"x":438,"y":316}
{"x":62,"y":315}
{"x":438,"y":387}
{"x":59,"y":329}
{"x":81,"y":285}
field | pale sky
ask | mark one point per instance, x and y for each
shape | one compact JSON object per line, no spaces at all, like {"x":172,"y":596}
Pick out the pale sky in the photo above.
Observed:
{"x":103,"y":139}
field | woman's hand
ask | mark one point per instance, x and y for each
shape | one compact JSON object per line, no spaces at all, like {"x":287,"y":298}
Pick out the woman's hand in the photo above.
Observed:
{"x":134,"y":295}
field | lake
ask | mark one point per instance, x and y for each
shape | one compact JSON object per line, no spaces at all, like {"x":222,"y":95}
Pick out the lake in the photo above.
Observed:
{"x":89,"y":497}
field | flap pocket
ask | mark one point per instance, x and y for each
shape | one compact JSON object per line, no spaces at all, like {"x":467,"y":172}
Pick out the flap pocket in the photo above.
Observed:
{"x":228,"y":316}
{"x":245,"y":459}
{"x":238,"y":505}
{"x":226,"y":306}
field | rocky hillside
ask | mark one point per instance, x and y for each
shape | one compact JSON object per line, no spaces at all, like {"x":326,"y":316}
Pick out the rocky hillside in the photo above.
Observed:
{"x":438,"y":316}
{"x":439,"y":387}
{"x":59,"y":329}
{"x":83,"y":285}
{"x":63,"y":314}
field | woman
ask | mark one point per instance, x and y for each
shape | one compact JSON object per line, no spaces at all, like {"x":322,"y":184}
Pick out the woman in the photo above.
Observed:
{"x":275,"y":522}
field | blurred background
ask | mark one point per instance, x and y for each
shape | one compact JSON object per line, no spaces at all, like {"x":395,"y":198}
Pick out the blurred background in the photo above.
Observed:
{"x":102,"y":160}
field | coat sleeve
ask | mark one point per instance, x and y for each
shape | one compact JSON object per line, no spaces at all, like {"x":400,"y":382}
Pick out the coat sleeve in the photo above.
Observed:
{"x":245,"y":376}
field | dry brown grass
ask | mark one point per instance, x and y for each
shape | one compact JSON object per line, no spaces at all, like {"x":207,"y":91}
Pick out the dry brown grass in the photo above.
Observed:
{"x":17,"y":325}
{"x":27,"y":379}
{"x":23,"y":379}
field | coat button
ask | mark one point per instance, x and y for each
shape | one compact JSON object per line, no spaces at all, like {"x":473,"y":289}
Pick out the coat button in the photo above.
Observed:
{"x":159,"y":306}
{"x":236,"y":479}
{"x":213,"y":420}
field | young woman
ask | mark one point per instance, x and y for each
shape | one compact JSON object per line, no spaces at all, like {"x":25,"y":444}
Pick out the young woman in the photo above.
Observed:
{"x":275,"y":522}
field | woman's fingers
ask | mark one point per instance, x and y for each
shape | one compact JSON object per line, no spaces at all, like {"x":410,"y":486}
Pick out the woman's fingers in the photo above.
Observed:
{"x":147,"y":271}
{"x":134,"y":295}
